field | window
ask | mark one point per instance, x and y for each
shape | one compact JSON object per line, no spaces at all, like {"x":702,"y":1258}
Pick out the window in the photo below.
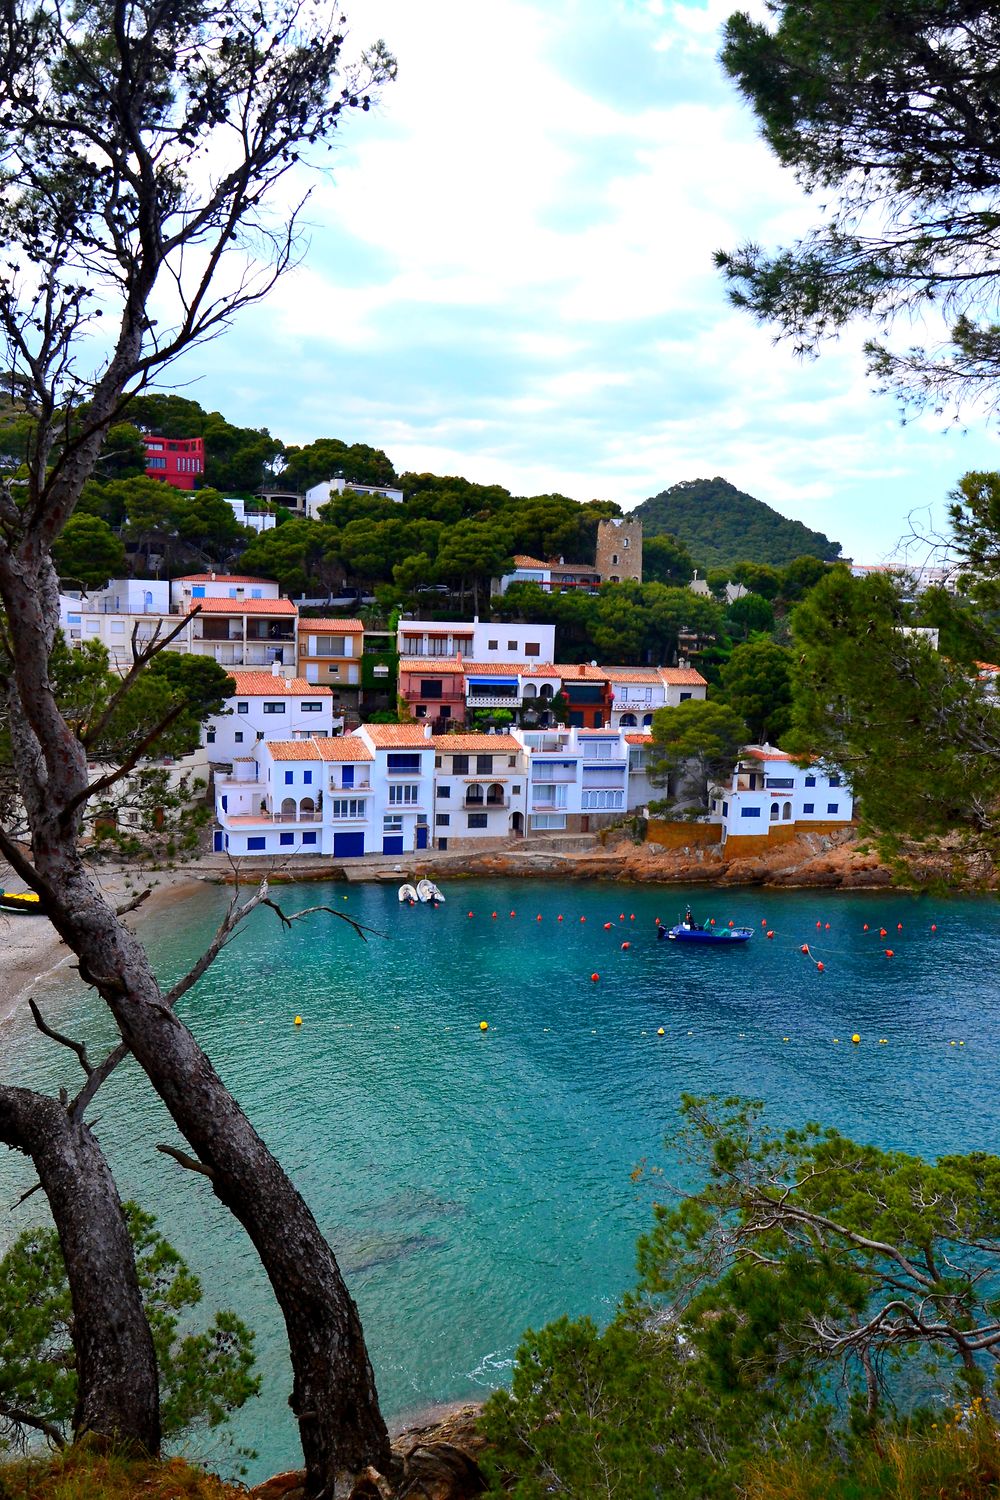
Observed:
{"x":409,"y":763}
{"x":442,"y":843}
{"x":511,"y":645}
{"x":421,"y":710}
{"x":532,"y":648}
{"x":74,"y":619}
{"x":242,"y":708}
{"x":312,"y":708}
{"x":484,"y":765}
{"x":833,"y":807}
{"x":307,"y":777}
{"x":210,"y":737}
{"x":309,"y":838}
{"x":601,"y":801}
{"x":256,"y":843}
{"x":274,"y":708}
{"x":749,"y":812}
{"x":834,"y":780}
{"x":624,"y":541}
{"x":392,"y":823}
{"x":810,"y":781}
{"x":444,"y":791}
{"x":117,"y":627}
{"x":684,"y":697}
{"x":437,"y":762}
{"x":460,"y":765}
{"x":347,"y":807}
{"x":725,"y":809}
{"x":442,"y":820}
{"x":260,"y":735}
{"x":808,"y":807}
{"x":238,"y":736}
{"x":404,"y":794}
{"x":445,"y":711}
{"x":289,"y":777}
{"x":329,"y":645}
{"x":614,"y":559}
{"x":478,"y":820}
{"x":161,"y":463}
{"x":493,"y":645}
{"x":347,"y":775}
{"x":548,"y":820}
{"x":431,"y":687}
{"x":286,"y":839}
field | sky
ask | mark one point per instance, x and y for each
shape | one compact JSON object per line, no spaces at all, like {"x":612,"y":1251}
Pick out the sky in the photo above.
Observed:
{"x":509,"y":277}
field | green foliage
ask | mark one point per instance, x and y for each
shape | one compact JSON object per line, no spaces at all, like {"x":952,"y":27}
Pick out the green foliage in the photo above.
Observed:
{"x":666,"y":560}
{"x":88,"y":552}
{"x":237,"y":459}
{"x":916,"y":732}
{"x":757,"y":682}
{"x":751,"y":614}
{"x":204,"y":1375}
{"x":695,"y":743}
{"x":296,"y":554}
{"x":879,"y":109}
{"x":721,"y":525}
{"x":327,"y":457}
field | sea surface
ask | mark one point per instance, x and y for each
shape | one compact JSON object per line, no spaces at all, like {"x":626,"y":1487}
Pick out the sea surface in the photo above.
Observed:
{"x":474,"y":1182}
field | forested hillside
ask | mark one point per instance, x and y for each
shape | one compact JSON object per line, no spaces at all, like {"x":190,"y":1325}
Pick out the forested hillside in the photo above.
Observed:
{"x":719,"y":524}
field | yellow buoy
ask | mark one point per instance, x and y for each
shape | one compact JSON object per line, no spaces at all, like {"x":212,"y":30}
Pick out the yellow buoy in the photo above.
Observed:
{"x":298,"y":1020}
{"x":484,"y":1026}
{"x":661,"y":1032}
{"x":855,"y":1037}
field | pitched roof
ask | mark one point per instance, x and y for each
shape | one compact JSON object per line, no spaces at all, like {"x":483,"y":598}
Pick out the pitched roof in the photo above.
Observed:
{"x":459,"y":744}
{"x":582,"y":671}
{"x":574,"y":568}
{"x":244,"y":607}
{"x":220,"y":578}
{"x":522,"y":561}
{"x":638,"y":739}
{"x":264,"y":685}
{"x":634,"y":674}
{"x":341,"y":747}
{"x":387,"y":736}
{"x":431,"y":664}
{"x":495,"y":668}
{"x":764,"y":752}
{"x":331,"y":627}
{"x":682,"y":675}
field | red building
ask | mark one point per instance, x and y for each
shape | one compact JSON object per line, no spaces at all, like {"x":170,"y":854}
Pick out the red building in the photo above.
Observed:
{"x":177,"y":461}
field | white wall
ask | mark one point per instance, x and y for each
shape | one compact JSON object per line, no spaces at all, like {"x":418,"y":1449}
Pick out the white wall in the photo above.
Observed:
{"x":235,"y":734}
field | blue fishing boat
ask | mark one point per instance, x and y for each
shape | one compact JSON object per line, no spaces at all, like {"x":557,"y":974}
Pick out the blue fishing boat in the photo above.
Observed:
{"x":690,"y":931}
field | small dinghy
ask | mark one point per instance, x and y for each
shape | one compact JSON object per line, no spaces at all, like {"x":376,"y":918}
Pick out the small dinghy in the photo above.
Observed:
{"x":24,"y":901}
{"x":408,"y":894}
{"x":428,"y":891}
{"x":690,"y":931}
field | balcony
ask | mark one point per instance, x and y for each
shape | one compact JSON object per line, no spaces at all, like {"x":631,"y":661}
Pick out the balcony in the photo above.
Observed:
{"x":270,"y":820}
{"x":480,"y":804}
{"x":493,"y":700}
{"x":561,"y":778}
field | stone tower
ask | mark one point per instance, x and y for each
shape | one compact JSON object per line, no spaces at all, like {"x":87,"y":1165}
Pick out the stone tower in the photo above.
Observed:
{"x":619,"y":551}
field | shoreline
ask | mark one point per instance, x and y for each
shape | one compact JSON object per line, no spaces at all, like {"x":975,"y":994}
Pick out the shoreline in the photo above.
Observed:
{"x":33,"y":949}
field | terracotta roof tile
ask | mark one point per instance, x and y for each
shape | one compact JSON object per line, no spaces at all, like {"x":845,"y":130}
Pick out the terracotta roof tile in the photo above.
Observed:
{"x":330,"y":627}
{"x":523,"y":561}
{"x":429,"y":665}
{"x":244,"y":607}
{"x":264,"y":685}
{"x":387,"y":736}
{"x":638,"y":739}
{"x":582,"y":671}
{"x":220,"y":578}
{"x":340,"y":747}
{"x":634,"y":674}
{"x":459,"y":744}
{"x":758,"y":752}
{"x":682,"y":675}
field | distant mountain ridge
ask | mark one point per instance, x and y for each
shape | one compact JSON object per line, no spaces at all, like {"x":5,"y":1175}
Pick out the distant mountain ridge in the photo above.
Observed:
{"x":720,"y":524}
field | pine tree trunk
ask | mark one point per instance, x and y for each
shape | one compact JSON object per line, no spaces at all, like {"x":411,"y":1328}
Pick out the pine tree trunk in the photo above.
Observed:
{"x":333,"y":1396}
{"x":117,"y":1386}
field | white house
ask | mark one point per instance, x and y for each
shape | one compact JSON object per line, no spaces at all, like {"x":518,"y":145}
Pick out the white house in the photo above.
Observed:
{"x":768,"y":791}
{"x":267,"y":706}
{"x":577,"y":780}
{"x":480,"y":783}
{"x":126,"y":611}
{"x":194,"y":587}
{"x":495,"y":641}
{"x":321,"y":493}
{"x":402,"y":785}
{"x":639,"y":691}
{"x":257,"y":519}
{"x":244,"y":632}
{"x":298,"y":797}
{"x":640,"y":789}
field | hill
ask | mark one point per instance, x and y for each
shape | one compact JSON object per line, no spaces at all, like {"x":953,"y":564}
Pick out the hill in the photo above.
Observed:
{"x":719,"y":524}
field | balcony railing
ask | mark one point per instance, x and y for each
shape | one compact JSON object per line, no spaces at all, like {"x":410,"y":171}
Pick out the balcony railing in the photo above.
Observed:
{"x":493,"y":700}
{"x":471,"y":804}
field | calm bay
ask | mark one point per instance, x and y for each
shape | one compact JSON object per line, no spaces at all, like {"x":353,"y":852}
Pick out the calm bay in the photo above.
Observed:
{"x":474,"y":1182}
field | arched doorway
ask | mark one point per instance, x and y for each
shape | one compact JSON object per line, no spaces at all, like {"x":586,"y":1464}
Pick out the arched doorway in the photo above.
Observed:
{"x":494,"y":796}
{"x":786,"y":812}
{"x":517,"y":824}
{"x":628,"y":721}
{"x":307,"y":808}
{"x":774,"y":812}
{"x":288,"y":808}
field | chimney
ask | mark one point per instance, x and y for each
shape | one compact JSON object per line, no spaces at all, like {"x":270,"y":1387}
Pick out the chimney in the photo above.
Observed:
{"x":213,"y":577}
{"x":428,"y":730}
{"x":276,"y":669}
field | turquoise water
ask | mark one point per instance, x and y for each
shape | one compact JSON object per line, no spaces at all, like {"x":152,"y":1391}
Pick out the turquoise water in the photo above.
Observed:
{"x":475,"y":1183}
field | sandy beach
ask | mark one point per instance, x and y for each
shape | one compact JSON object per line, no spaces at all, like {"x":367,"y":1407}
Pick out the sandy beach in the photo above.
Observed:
{"x":31,"y":947}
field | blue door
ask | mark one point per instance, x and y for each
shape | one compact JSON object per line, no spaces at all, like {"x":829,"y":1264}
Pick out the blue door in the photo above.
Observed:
{"x":348,"y":845}
{"x":421,"y":835}
{"x":217,"y":841}
{"x":392,"y":844}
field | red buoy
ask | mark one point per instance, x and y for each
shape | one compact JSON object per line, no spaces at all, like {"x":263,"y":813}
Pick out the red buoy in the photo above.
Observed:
{"x":933,"y":927}
{"x":558,"y":919}
{"x":899,"y":926}
{"x":607,"y":927}
{"x":804,"y":948}
{"x":711,"y":921}
{"x":769,"y":933}
{"x":731,"y":923}
{"x":595,"y":977}
{"x":819,"y":924}
{"x":820,"y":967}
{"x":882,"y":932}
{"x":468,"y":914}
{"x":513,"y":913}
{"x":889,"y":953}
{"x":827,"y":926}
{"x":865,"y":927}
{"x":494,"y":915}
{"x":625,"y":945}
{"x":539,"y":917}
{"x":583,"y":919}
